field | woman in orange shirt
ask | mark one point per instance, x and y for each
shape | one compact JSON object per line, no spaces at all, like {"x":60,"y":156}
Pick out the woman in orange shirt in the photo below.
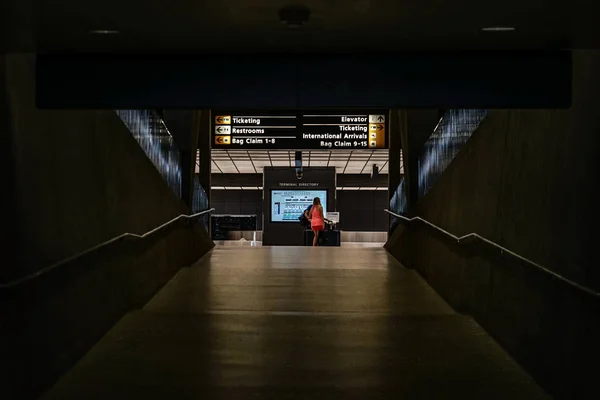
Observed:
{"x":317,"y":219}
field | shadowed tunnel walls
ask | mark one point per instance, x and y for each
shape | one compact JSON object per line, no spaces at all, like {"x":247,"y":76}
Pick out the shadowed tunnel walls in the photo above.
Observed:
{"x":76,"y":179}
{"x":528,"y":180}
{"x":81,"y":178}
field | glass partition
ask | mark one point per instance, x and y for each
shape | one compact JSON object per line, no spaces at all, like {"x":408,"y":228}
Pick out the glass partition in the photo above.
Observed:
{"x":154,"y":138}
{"x":200,"y":201}
{"x":449,"y":136}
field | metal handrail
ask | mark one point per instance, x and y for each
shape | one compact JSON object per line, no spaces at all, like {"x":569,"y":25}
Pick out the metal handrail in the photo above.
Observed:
{"x":503,"y":250}
{"x":43,"y":271}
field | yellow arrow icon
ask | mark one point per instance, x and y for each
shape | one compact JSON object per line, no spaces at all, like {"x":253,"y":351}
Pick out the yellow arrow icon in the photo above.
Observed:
{"x":223,"y":119}
{"x":222,"y":139}
{"x":376,"y":127}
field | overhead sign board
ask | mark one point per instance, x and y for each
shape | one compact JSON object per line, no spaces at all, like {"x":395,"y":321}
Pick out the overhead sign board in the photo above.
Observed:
{"x":300,"y":130}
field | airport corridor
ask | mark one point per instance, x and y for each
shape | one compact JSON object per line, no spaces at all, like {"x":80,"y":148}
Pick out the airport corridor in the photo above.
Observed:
{"x":296,"y":322}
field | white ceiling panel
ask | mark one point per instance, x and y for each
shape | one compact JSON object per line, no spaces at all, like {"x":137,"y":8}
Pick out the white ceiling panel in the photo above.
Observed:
{"x":244,"y":164}
{"x":345,"y":161}
{"x":380,"y":158}
{"x":280,"y":156}
{"x":313,"y":157}
{"x":281,"y":163}
{"x":223,"y":162}
{"x":261,"y":163}
{"x":241,"y":159}
{"x":356,"y":163}
{"x":227,"y":167}
{"x":341,"y":152}
{"x":318,"y":163}
{"x":248,"y":170}
{"x":221,"y":157}
{"x":338,"y":156}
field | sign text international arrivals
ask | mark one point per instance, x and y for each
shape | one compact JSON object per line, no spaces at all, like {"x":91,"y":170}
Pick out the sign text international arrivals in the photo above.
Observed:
{"x":300,"y":131}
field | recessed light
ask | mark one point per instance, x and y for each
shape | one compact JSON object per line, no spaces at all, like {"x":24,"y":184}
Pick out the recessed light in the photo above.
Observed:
{"x":104,"y":32}
{"x":498,"y":29}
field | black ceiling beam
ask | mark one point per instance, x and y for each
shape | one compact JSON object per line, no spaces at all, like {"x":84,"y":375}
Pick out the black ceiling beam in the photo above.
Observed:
{"x":254,"y":81}
{"x":349,"y":180}
{"x":245,"y":180}
{"x":362,"y":180}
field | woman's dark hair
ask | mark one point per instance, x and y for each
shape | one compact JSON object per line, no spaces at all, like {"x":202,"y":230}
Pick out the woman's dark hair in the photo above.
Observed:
{"x":316,"y":201}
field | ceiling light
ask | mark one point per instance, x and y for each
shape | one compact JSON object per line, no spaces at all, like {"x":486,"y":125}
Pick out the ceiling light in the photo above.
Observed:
{"x":294,"y":16}
{"x":498,"y":29}
{"x":104,"y":32}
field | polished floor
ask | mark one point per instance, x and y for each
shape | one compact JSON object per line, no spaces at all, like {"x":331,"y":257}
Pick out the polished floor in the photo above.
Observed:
{"x":258,"y":243}
{"x":296,"y":323}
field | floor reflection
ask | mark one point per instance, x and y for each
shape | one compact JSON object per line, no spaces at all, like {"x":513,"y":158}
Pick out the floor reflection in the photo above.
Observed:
{"x":251,"y":243}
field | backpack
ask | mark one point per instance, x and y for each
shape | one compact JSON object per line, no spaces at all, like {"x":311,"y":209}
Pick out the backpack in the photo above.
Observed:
{"x":303,"y":220}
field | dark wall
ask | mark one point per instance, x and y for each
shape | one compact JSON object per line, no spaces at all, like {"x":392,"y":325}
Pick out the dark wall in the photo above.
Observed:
{"x":256,"y":180}
{"x":290,"y":233}
{"x":362,"y":210}
{"x":180,"y":124}
{"x":527,"y":179}
{"x":420,"y":125}
{"x":500,"y":79}
{"x":359,"y":210}
{"x":239,"y":202}
{"x":416,"y":129}
{"x":80,"y":178}
{"x":10,"y":244}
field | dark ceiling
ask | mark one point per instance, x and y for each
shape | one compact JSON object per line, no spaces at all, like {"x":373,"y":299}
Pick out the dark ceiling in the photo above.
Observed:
{"x":159,"y":26}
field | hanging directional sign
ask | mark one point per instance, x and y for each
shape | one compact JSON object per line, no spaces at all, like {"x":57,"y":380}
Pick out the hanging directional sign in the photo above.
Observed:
{"x":299,"y":130}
